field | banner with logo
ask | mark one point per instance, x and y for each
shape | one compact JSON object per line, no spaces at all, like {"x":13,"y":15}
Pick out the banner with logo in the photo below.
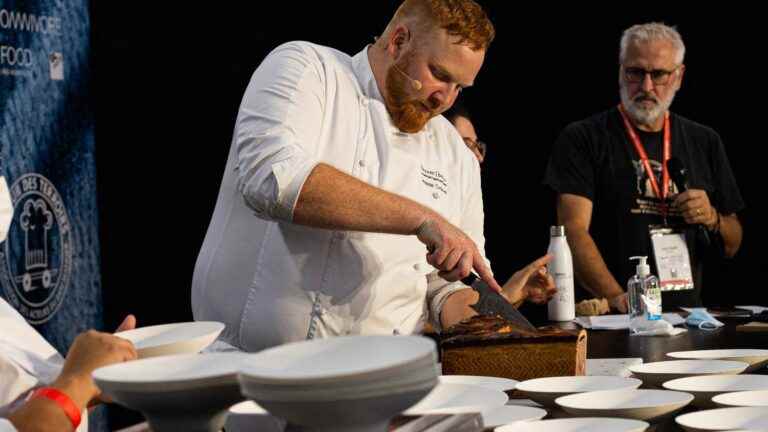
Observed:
{"x":49,"y":264}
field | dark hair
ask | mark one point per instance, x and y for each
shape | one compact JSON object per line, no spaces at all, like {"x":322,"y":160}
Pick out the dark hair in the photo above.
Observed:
{"x":458,"y":109}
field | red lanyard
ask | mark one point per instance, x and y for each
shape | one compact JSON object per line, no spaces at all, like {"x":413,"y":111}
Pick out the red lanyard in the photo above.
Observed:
{"x":660,"y":193}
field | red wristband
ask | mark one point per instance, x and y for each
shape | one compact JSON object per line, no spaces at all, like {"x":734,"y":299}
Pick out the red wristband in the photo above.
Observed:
{"x":62,"y":400}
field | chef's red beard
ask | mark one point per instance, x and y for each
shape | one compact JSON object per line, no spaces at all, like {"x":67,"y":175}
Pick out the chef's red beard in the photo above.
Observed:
{"x":408,"y":114}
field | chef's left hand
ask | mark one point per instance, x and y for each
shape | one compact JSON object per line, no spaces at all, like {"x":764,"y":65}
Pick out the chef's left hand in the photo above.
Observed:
{"x":531,"y":283}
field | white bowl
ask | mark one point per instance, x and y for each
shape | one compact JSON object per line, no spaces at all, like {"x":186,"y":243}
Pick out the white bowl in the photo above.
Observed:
{"x":585,"y":424}
{"x":342,"y":383}
{"x":649,"y":405}
{"x":370,"y":414}
{"x":446,"y":396}
{"x":756,"y":358}
{"x":167,"y":389}
{"x":755,"y":398}
{"x":704,"y":388}
{"x":725,"y":419}
{"x":495,"y":383}
{"x":657,"y":373}
{"x":170,"y":339}
{"x":546,"y":390}
{"x":340,"y":359}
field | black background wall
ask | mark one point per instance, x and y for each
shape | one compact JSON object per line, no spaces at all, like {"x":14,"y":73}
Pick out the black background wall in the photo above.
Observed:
{"x":169,"y":81}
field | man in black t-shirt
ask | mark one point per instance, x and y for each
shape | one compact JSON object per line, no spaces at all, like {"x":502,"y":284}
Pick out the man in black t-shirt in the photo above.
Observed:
{"x":608,"y":173}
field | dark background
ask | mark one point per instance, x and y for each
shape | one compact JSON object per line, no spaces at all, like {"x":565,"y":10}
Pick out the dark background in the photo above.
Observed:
{"x":169,"y":81}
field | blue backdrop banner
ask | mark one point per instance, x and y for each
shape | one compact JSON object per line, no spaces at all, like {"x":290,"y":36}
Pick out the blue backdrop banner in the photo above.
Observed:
{"x":49,"y":265}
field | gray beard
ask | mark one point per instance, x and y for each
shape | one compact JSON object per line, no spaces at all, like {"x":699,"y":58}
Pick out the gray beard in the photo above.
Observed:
{"x":641,"y":115}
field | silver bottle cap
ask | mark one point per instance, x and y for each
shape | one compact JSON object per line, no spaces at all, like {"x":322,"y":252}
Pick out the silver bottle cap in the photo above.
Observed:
{"x":557,"y":231}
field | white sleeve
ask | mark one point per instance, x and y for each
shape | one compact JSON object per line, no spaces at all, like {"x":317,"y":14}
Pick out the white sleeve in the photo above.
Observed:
{"x":472,"y":220}
{"x":6,"y":426}
{"x":277,"y":128}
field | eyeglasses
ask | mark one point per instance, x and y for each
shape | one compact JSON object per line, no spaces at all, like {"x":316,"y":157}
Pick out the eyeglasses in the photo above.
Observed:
{"x":476,"y":146}
{"x":658,"y":76}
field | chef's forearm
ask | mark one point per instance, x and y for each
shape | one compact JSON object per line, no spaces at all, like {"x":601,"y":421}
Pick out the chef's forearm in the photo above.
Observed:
{"x":331,"y":199}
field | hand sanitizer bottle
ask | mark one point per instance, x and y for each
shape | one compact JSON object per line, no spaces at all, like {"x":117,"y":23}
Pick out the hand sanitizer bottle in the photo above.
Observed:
{"x":644,"y":294}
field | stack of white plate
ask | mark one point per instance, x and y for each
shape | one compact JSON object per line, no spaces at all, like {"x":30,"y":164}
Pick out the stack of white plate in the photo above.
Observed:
{"x":189,"y":392}
{"x":344,"y":383}
{"x":704,"y":388}
{"x":756,"y":358}
{"x":657,"y":373}
{"x":484,"y":395}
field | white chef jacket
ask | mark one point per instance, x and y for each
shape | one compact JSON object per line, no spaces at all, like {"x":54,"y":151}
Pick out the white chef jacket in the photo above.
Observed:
{"x":27,"y":361}
{"x":272,"y":281}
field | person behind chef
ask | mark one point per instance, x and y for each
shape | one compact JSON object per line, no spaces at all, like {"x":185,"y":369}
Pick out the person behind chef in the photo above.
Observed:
{"x":39,"y":390}
{"x":349,"y":205}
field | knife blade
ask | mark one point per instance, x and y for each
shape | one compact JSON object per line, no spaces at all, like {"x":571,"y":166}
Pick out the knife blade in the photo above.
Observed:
{"x":492,"y":303}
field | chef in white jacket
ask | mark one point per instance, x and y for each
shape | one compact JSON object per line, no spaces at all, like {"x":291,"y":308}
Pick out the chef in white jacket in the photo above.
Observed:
{"x":341,"y":175}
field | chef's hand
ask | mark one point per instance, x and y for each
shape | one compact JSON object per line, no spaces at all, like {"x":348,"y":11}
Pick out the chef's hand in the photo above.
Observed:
{"x":453,"y":252}
{"x":531,"y":283}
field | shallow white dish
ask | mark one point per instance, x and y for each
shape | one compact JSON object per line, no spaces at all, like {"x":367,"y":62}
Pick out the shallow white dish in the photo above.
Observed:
{"x":169,"y":339}
{"x":756,"y":358}
{"x":704,"y":388}
{"x":448,"y":396}
{"x":167,"y":389}
{"x":495,"y":383}
{"x":584,"y":424}
{"x":648,"y":405}
{"x":657,"y":373}
{"x":755,"y":398}
{"x":370,"y":414}
{"x":349,"y":383}
{"x":345,"y":358}
{"x":546,"y":390}
{"x":725,"y":419}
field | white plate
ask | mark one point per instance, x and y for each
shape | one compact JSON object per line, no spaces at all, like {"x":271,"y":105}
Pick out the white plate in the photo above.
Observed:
{"x":458,"y":395}
{"x":725,"y":419}
{"x":756,"y":398}
{"x":169,"y":339}
{"x":347,"y":358}
{"x":167,"y":390}
{"x":650,"y":405}
{"x":546,"y":390}
{"x":498,"y":416}
{"x":704,"y":388}
{"x":495,"y":383}
{"x":657,"y":373}
{"x":171,"y":373}
{"x":756,"y":358}
{"x":586,"y":424}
